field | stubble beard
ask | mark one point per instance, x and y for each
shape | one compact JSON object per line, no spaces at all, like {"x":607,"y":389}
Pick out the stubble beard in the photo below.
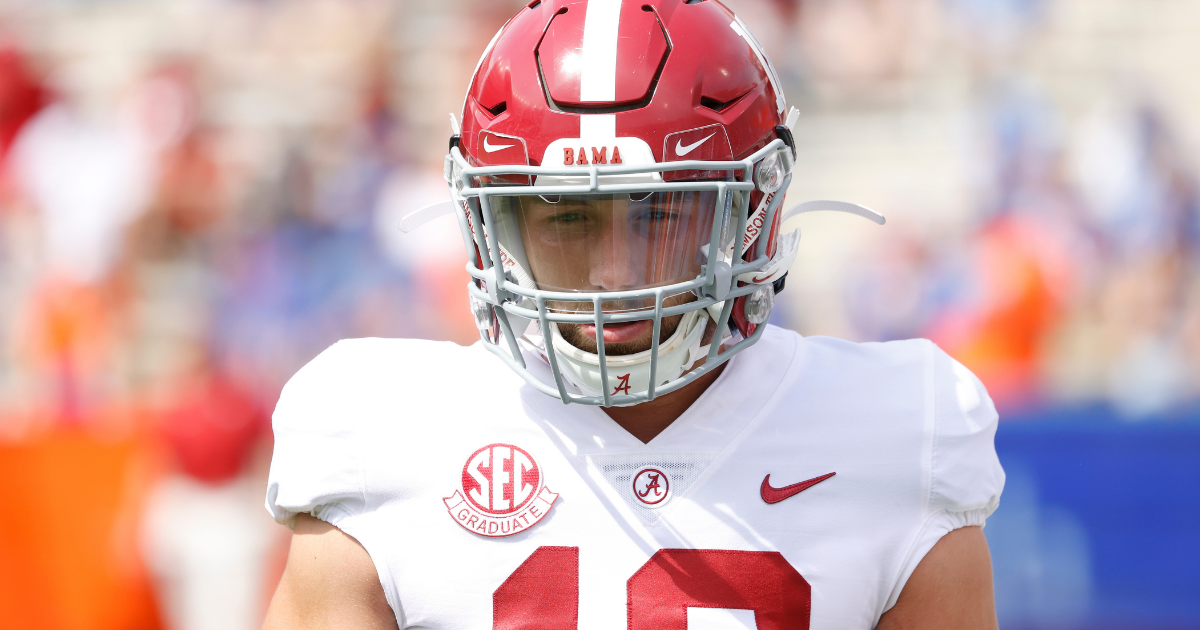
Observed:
{"x":574,"y":334}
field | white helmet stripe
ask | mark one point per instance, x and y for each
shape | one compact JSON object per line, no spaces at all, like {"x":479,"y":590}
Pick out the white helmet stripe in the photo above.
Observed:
{"x":598,"y":70}
{"x":598,"y":129}
{"x":740,"y":28}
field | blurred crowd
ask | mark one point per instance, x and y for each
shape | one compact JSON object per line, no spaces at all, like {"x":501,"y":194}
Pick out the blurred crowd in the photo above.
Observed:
{"x":1038,"y":161}
{"x":198,"y":196}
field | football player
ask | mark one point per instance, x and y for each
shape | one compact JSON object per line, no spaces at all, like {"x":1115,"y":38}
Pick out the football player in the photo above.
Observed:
{"x":630,"y":444}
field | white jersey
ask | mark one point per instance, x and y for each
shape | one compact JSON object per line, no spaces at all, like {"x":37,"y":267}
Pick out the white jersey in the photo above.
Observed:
{"x":800,"y":491}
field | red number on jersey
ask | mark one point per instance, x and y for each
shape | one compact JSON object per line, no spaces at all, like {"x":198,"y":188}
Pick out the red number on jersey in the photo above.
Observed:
{"x":674,"y":579}
{"x":543,"y":593}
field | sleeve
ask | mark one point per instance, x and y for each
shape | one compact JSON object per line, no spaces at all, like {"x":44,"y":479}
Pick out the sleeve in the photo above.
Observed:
{"x":963,"y":476}
{"x":315,"y":466}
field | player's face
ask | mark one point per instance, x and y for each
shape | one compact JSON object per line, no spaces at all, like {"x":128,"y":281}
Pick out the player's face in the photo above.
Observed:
{"x":616,"y":243}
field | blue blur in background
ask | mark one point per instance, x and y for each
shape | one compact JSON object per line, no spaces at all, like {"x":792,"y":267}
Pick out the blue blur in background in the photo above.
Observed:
{"x":1098,"y":523}
{"x":198,"y":196}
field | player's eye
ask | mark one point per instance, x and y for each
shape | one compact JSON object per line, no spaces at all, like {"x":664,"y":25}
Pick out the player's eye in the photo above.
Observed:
{"x":568,"y":218}
{"x":568,"y":224}
{"x":653,"y":219}
{"x":655,"y":216}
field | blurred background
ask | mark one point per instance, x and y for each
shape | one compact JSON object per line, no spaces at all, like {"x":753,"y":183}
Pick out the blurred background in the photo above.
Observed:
{"x":198,"y":196}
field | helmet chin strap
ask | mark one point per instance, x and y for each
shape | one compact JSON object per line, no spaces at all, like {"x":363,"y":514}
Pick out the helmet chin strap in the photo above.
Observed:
{"x":630,"y":373}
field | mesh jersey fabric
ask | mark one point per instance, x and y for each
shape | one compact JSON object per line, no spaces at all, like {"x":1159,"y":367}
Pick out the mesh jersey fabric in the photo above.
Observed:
{"x":372,"y":436}
{"x":620,"y":471}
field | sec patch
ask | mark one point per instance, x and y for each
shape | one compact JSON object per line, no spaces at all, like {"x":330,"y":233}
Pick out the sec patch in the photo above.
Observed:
{"x":502,"y":492}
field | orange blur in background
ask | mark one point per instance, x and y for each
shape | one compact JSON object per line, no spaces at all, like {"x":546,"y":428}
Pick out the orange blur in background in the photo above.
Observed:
{"x":198,"y":196}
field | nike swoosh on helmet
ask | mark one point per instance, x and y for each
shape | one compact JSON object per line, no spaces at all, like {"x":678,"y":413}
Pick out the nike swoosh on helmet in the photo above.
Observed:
{"x":490,"y":148}
{"x":682,"y":150}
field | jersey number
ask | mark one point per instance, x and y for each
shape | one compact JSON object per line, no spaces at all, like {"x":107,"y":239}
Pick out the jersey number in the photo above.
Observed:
{"x":543,"y":593}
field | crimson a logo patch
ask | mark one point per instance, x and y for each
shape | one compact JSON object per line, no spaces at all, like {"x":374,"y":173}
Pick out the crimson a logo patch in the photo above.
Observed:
{"x":651,"y":486}
{"x":502,"y":492}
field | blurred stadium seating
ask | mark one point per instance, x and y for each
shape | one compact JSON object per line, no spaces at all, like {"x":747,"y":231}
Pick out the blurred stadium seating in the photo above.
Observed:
{"x":197,"y":196}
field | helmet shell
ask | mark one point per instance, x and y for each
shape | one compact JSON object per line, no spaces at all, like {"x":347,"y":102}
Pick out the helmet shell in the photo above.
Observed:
{"x":680,"y":73}
{"x":565,"y":90}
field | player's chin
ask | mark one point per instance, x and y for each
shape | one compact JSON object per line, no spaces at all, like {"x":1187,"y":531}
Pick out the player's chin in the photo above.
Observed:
{"x":619,"y":338}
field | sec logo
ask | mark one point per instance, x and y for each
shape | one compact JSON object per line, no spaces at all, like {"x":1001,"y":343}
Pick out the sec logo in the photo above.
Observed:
{"x":651,"y":486}
{"x":502,"y":492}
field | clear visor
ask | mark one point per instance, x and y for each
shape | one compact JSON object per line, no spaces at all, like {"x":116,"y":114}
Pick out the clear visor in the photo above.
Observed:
{"x":609,"y":242}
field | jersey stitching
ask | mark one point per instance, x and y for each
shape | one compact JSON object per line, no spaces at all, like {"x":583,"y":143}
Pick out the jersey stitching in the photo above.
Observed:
{"x":390,"y":592}
{"x":346,"y":523}
{"x":929,"y":426}
{"x":908,"y":557}
{"x":362,"y":476}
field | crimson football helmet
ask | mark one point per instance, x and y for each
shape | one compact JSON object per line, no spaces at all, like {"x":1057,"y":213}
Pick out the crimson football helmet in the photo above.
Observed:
{"x":617,"y":176}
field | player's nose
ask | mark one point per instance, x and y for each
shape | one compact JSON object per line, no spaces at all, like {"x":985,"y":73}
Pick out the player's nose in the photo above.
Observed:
{"x":612,"y":267}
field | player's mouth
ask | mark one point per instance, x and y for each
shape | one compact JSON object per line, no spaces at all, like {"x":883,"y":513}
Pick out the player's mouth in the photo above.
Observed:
{"x":623,"y":332}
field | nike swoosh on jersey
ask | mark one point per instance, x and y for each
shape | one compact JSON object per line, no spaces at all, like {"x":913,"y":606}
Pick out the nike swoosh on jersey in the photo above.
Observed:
{"x":489,"y":147}
{"x":775,"y":495}
{"x":682,"y":150}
